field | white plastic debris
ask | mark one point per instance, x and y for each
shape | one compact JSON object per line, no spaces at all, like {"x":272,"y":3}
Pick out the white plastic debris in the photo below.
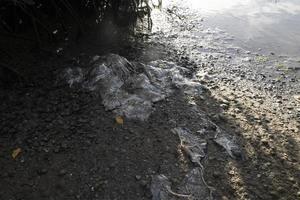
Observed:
{"x":130,"y":89}
{"x":229,"y":145}
{"x":227,"y":141}
{"x":161,"y":189}
{"x":193,"y":146}
{"x":194,"y":184}
{"x":73,"y":75}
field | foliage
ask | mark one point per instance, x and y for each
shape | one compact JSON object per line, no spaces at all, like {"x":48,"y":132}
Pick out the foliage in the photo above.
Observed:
{"x":17,"y":16}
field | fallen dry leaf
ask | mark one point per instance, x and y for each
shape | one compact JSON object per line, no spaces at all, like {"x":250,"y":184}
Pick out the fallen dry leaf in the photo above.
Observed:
{"x":16,"y":152}
{"x":119,"y":120}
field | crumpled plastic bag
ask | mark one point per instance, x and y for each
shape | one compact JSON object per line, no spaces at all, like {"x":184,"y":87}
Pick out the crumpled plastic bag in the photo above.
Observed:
{"x":229,"y":144}
{"x":195,"y":185}
{"x":130,"y":89}
{"x":193,"y":146}
{"x":161,"y":189}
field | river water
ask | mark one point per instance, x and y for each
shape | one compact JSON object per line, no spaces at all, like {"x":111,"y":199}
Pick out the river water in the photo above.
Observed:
{"x":264,"y":25}
{"x":256,"y":41}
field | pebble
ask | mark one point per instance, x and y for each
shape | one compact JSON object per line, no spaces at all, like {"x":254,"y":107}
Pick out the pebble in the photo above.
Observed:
{"x":56,"y":150}
{"x":216,"y":174}
{"x":280,"y":189}
{"x":258,"y":175}
{"x":231,"y":172}
{"x":62,"y":172}
{"x":144,"y":183}
{"x":265,"y":142}
{"x":112,"y":165}
{"x":138,"y":177}
{"x":224,"y":198}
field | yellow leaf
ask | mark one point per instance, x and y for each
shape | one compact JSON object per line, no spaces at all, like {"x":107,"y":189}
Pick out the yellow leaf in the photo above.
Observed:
{"x":16,"y":152}
{"x":119,"y":120}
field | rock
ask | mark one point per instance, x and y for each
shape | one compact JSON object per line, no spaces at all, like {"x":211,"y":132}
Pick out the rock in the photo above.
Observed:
{"x":265,"y":142}
{"x":219,"y":117}
{"x":258,"y":175}
{"x":56,"y":150}
{"x":224,"y":198}
{"x":231,"y":172}
{"x":216,"y":174}
{"x":144,"y":183}
{"x":224,"y":106}
{"x":62,"y":172}
{"x":280,"y":189}
{"x":274,"y":193}
{"x":113,"y":164}
{"x":64,"y":145}
{"x":138,"y":177}
{"x":42,"y":171}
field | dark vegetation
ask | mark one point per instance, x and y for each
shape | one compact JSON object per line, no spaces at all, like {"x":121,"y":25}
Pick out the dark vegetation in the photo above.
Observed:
{"x":40,"y":23}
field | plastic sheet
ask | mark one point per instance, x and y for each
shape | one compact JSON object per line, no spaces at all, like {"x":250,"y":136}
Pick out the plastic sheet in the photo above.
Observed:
{"x":193,"y":186}
{"x":161,"y":189}
{"x":73,"y":75}
{"x":130,"y":89}
{"x":229,"y":144}
{"x":193,"y":146}
{"x":194,"y":182}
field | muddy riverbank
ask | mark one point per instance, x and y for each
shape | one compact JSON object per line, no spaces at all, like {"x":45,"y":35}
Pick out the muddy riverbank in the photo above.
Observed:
{"x":59,"y":142}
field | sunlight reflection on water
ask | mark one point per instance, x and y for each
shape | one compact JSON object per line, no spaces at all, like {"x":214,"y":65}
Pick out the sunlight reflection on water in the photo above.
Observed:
{"x":270,"y":24}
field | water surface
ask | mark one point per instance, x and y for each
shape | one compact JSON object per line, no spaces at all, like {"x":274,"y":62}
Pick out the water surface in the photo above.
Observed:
{"x":266,"y":25}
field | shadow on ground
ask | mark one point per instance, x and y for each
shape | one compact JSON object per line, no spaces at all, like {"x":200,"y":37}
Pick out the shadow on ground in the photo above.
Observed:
{"x":71,"y":148}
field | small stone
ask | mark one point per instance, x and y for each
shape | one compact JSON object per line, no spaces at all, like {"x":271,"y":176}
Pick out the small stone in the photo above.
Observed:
{"x":138,"y":177}
{"x":72,"y":158}
{"x":265,"y":142}
{"x":224,"y":106}
{"x":123,"y":150}
{"x":42,"y":171}
{"x":231,"y":172}
{"x":280,"y":189}
{"x":113,"y":164}
{"x":62,"y":172}
{"x":258,"y":175}
{"x":292,"y":179}
{"x":64,"y":145}
{"x":56,"y":150}
{"x":216,"y":174}
{"x":224,"y":198}
{"x":273,"y":193}
{"x":144,"y":183}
